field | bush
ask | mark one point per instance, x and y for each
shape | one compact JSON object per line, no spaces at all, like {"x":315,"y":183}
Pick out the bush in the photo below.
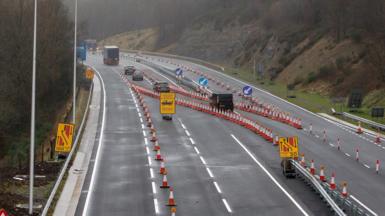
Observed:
{"x":311,"y":77}
{"x":340,"y":62}
{"x":325,"y":71}
{"x":356,"y":37}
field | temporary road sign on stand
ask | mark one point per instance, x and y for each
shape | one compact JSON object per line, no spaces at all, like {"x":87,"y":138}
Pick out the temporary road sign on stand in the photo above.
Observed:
{"x":3,"y":212}
{"x":288,"y":147}
{"x":179,"y":72}
{"x":247,"y":90}
{"x":64,"y":137}
{"x":89,"y":74}
{"x":203,"y":81}
{"x":167,"y":103}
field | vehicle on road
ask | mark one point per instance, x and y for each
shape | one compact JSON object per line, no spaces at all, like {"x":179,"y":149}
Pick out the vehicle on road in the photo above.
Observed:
{"x":129,"y":70}
{"x":222,"y":101}
{"x":111,"y":55}
{"x":137,"y":76}
{"x":91,"y":44}
{"x":161,"y":87}
{"x":288,"y":169}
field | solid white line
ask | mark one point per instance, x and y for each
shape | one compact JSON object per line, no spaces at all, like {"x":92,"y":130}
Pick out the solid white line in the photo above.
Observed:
{"x":96,"y":165}
{"x":271,"y":176}
{"x":156,"y":205}
{"x":188,"y":133}
{"x":153,"y":187}
{"x":217,"y":187}
{"x":203,"y":160}
{"x":196,"y":149}
{"x":367,"y":208}
{"x":192,"y":141}
{"x":367,"y":166}
{"x":151,"y":173}
{"x":210,"y":173}
{"x":149,"y":160}
{"x":227,"y":205}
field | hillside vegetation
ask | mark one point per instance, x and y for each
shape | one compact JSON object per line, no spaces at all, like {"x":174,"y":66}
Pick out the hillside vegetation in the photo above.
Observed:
{"x":328,"y":47}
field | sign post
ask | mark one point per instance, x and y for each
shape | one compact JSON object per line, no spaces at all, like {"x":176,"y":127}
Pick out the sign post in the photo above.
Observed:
{"x":89,"y":74}
{"x":247,"y":91}
{"x":64,"y":137}
{"x":203,"y":81}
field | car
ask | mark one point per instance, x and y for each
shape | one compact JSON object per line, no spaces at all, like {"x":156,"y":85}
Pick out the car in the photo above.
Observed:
{"x":129,"y":70}
{"x":137,"y":59}
{"x":137,"y":76}
{"x":161,"y":87}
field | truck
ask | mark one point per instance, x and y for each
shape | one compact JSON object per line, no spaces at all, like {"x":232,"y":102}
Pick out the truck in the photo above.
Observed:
{"x":222,"y":101}
{"x":111,"y":55}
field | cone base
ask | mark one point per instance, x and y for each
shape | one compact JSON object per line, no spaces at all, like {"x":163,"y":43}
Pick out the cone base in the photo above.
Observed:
{"x":162,"y":186}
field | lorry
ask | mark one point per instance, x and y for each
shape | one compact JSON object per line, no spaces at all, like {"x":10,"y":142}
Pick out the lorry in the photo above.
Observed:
{"x":111,"y":55}
{"x":222,"y":101}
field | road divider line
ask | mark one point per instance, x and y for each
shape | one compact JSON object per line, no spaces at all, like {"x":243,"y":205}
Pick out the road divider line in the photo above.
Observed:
{"x":147,"y":150}
{"x":367,"y":166}
{"x":367,"y":208}
{"x":347,"y":154}
{"x":188,"y":133}
{"x":203,"y":160}
{"x":227,"y":205}
{"x":209,"y":172}
{"x":151,"y":173}
{"x":270,"y":176}
{"x":144,"y":133}
{"x":192,"y":141}
{"x":149,"y":160}
{"x":196,"y":150}
{"x":217,"y":187}
{"x":156,"y":205}
{"x":153,"y":187}
{"x":145,"y":141}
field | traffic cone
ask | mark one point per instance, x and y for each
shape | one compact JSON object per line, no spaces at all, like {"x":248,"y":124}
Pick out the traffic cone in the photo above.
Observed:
{"x":149,"y":122}
{"x":378,"y":138}
{"x":171,"y":200}
{"x":162,"y":169}
{"x":173,"y":211}
{"x":357,"y":155}
{"x":276,"y":142}
{"x":377,"y":166}
{"x":164,"y":182}
{"x":152,"y":129}
{"x":359,"y":129}
{"x":332,"y":182}
{"x":303,"y":163}
{"x":311,"y":128}
{"x":312,"y":169}
{"x":338,"y":144}
{"x":344,"y":192}
{"x":156,"y":146}
{"x":324,"y":136}
{"x":158,"y":156}
{"x":322,"y":174}
{"x":153,"y":137}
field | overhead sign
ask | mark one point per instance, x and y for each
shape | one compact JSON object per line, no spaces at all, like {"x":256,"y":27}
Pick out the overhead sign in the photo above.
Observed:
{"x":288,"y":147}
{"x":179,"y":71}
{"x":203,"y":81}
{"x":167,"y":103}
{"x":3,"y":212}
{"x":64,"y":137}
{"x":247,"y":90}
{"x":89,"y":73}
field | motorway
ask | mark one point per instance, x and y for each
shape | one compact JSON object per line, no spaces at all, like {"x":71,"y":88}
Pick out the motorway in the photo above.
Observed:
{"x":215,"y":167}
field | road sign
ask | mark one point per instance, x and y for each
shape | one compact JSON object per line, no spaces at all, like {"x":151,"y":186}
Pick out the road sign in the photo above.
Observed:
{"x":203,"y":81}
{"x":247,"y":90}
{"x":167,"y":103}
{"x":288,"y":147}
{"x":64,"y":137}
{"x":89,"y":73}
{"x":3,"y":212}
{"x":179,"y":72}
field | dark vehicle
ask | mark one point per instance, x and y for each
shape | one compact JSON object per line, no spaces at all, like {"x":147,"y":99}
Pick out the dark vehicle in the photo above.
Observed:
{"x":137,"y":76}
{"x":91,"y":44}
{"x":222,"y":101}
{"x":129,"y":70}
{"x":111,"y":55}
{"x":288,"y":169}
{"x":161,"y":87}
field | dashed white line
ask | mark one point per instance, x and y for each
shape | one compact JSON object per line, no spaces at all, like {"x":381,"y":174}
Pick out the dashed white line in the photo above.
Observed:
{"x":347,"y":154}
{"x":227,"y":205}
{"x":156,"y":205}
{"x":192,"y":141}
{"x":331,"y":144}
{"x":188,"y":133}
{"x":149,"y":160}
{"x":139,"y":114}
{"x":141,"y":120}
{"x":209,"y":172}
{"x":217,"y":187}
{"x":145,"y":141}
{"x":151,"y":173}
{"x":270,"y":176}
{"x":142,"y":126}
{"x":196,"y":150}
{"x":144,"y":133}
{"x":367,"y":166}
{"x":367,"y":208}
{"x":147,"y":150}
{"x":153,"y":187}
{"x":203,"y":160}
{"x":183,"y":126}
{"x":316,"y":136}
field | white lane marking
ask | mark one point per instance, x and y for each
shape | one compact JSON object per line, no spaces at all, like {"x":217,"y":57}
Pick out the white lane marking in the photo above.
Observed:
{"x":147,"y":150}
{"x":141,"y":120}
{"x":192,"y":141}
{"x":188,"y":133}
{"x":331,"y":144}
{"x":149,"y":160}
{"x":151,"y":173}
{"x":203,"y":160}
{"x":367,"y":208}
{"x":210,"y":173}
{"x":383,"y":147}
{"x":227,"y":205}
{"x":156,"y":205}
{"x":196,"y":150}
{"x":270,"y":176}
{"x":347,"y":154}
{"x":217,"y":187}
{"x":97,"y":158}
{"x":144,"y":133}
{"x":142,"y":126}
{"x":139,"y":114}
{"x":367,"y":166}
{"x":153,"y":187}
{"x":183,"y":126}
{"x":316,"y":136}
{"x":145,"y":141}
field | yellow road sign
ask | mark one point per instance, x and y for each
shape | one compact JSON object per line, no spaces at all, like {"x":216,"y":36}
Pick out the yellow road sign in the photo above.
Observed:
{"x":288,"y":147}
{"x":89,"y":73}
{"x":167,"y":103}
{"x":64,"y":137}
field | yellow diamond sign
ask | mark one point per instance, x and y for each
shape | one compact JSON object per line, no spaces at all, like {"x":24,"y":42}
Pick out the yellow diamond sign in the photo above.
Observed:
{"x":288,"y":147}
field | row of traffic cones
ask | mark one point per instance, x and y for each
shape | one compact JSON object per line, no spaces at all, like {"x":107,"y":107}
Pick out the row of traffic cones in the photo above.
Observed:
{"x":158,"y":157}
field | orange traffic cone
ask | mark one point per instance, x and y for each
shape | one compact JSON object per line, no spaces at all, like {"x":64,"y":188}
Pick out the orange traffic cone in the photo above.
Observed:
{"x":164,"y":182}
{"x":152,"y":129}
{"x":149,"y":122}
{"x":173,"y":211}
{"x":344,"y":192}
{"x":332,"y":182}
{"x":377,"y":166}
{"x":171,"y":200}
{"x":303,"y":163}
{"x":322,"y":174}
{"x":156,"y":146}
{"x":312,"y":169}
{"x":357,"y":155}
{"x":378,"y":138}
{"x":359,"y":129}
{"x":162,"y":170}
{"x":153,"y":137}
{"x":276,"y":141}
{"x":158,"y":156}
